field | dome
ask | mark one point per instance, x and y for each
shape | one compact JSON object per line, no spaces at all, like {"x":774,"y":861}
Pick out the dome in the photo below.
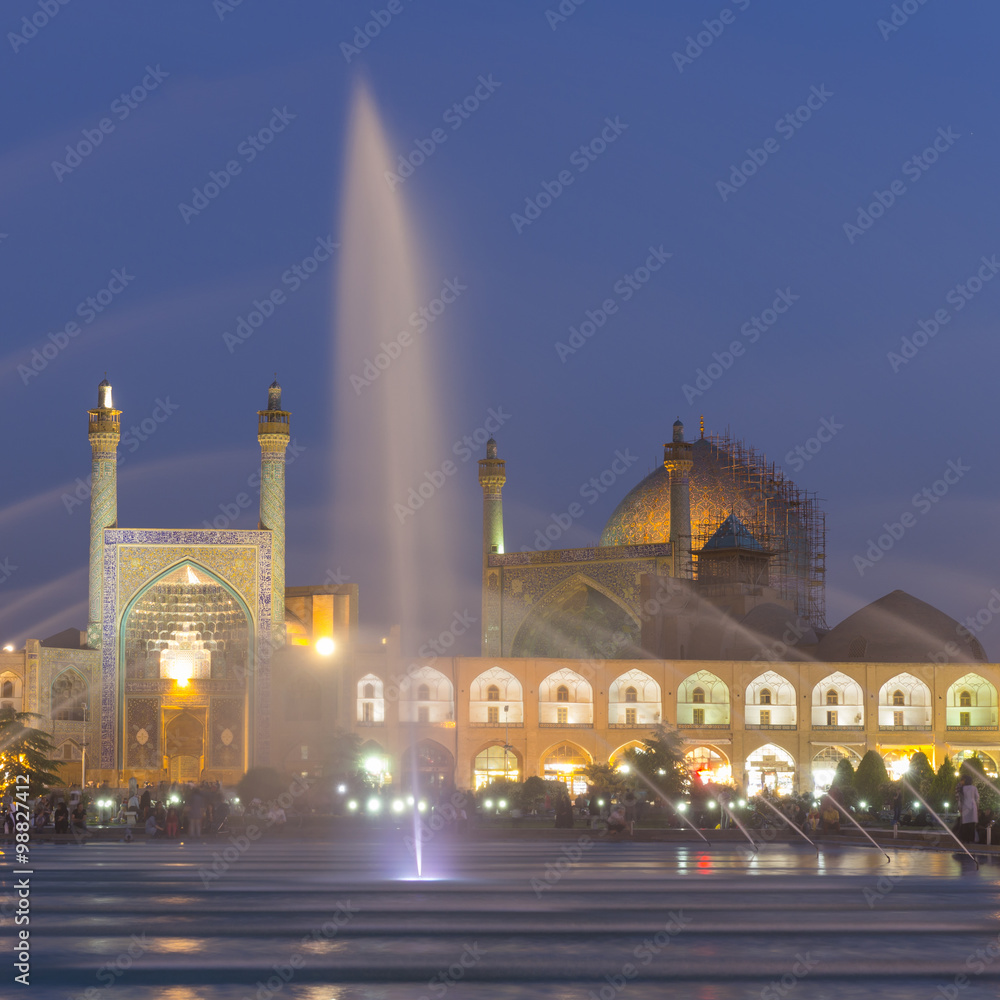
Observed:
{"x":729,"y":478}
{"x":900,"y":628}
{"x":771,"y":631}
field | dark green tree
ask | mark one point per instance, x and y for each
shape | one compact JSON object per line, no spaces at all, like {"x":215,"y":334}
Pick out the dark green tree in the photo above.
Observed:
{"x":842,"y":785}
{"x":531,"y":794}
{"x":26,"y":751}
{"x":660,"y":761}
{"x":920,"y":774}
{"x":871,"y":781}
{"x":942,"y":790}
{"x":264,"y":783}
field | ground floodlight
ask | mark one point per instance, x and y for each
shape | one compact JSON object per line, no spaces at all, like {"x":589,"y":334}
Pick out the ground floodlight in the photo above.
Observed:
{"x":502,"y":804}
{"x":422,"y":806}
{"x":325,"y":646}
{"x":488,"y":804}
{"x":341,"y":789}
{"x":397,"y":805}
{"x":374,"y":805}
{"x":352,"y":805}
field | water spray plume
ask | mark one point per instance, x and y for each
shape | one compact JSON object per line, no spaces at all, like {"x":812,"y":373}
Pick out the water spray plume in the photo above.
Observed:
{"x":848,"y":816}
{"x":746,"y":834}
{"x":679,"y":814}
{"x":782,"y":816}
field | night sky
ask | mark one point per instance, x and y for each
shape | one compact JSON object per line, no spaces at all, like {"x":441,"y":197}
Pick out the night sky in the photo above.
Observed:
{"x":600,"y":140}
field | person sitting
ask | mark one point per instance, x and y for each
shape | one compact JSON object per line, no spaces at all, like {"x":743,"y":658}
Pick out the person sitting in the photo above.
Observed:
{"x":79,"y":818}
{"x":150,"y":826}
{"x":61,"y":818}
{"x":173,"y":822}
{"x":831,"y":818}
{"x":616,"y":820}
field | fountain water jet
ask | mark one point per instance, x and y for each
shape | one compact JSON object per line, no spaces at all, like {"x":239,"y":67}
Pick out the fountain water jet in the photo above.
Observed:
{"x":389,"y":444}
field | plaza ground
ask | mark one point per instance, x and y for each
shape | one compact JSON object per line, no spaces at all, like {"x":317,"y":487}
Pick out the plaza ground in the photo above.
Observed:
{"x":572,"y":917}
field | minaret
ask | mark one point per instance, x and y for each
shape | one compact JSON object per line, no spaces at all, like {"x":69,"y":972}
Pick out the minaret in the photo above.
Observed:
{"x":104,"y":431}
{"x":272,"y":433}
{"x":492,"y":476}
{"x":677,"y":461}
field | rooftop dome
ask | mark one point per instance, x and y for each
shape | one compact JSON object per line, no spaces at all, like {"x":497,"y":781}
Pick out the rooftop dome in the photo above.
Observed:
{"x":729,"y":478}
{"x":771,"y":632}
{"x":900,"y":628}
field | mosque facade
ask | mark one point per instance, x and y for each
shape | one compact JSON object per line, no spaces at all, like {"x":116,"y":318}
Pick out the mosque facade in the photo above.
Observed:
{"x":701,"y":608}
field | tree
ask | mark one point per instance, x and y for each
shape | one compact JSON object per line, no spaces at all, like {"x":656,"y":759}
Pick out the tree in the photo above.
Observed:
{"x":264,"y":783}
{"x":531,"y":795}
{"x":660,"y":761}
{"x":26,"y":751}
{"x":843,"y":782}
{"x":942,"y":791}
{"x":342,"y":754}
{"x":920,"y":774}
{"x":614,"y":781}
{"x":871,"y":781}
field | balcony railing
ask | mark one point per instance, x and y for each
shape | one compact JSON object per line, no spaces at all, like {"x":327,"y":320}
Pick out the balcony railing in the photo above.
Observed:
{"x":922,"y":727}
{"x":850,"y":729}
{"x":497,"y":725}
{"x":704,"y":725}
{"x":370,"y":723}
{"x":632,"y":725}
{"x":972,"y":729}
{"x":565,"y":725}
{"x":768,"y":725}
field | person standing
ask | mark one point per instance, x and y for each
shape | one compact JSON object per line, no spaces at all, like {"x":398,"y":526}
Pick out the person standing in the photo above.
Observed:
{"x":968,"y":807}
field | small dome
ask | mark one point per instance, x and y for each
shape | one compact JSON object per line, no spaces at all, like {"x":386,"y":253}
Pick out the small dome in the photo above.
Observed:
{"x":900,"y":628}
{"x":491,"y":448}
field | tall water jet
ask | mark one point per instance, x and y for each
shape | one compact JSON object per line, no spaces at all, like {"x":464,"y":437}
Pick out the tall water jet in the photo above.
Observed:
{"x":389,"y":442}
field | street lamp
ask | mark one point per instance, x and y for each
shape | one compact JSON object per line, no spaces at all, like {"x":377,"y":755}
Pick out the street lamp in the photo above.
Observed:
{"x":506,"y":739}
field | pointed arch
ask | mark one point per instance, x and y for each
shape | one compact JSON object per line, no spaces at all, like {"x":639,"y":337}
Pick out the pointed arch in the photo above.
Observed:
{"x":69,"y":696}
{"x":508,"y":705}
{"x":371,"y":700}
{"x":634,"y":699}
{"x":494,"y":761}
{"x":904,"y":701}
{"x":437,"y":707}
{"x":771,"y":700}
{"x":703,"y":700}
{"x":837,"y":700}
{"x":575,"y":709}
{"x":772,"y":767}
{"x":971,"y":702}
{"x":577,"y":619}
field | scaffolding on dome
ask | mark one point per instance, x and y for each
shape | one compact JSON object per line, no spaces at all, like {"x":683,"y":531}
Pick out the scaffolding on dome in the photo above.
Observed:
{"x":786,"y":521}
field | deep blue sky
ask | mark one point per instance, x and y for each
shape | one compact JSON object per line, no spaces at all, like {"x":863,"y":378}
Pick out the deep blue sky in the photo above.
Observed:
{"x":656,"y":184}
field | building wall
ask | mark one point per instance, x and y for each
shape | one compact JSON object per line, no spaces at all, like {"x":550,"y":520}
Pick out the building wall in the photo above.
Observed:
{"x":725,"y":727}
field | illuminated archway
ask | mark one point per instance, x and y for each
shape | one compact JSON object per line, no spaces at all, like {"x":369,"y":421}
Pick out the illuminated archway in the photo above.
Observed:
{"x":702,"y":700}
{"x":838,"y":701}
{"x":710,"y":764}
{"x":770,"y":700}
{"x":971,"y":702}
{"x":824,"y":765}
{"x":565,"y":762}
{"x":770,"y":767}
{"x":904,"y":701}
{"x":634,"y":699}
{"x":494,"y":763}
{"x":496,"y":698}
